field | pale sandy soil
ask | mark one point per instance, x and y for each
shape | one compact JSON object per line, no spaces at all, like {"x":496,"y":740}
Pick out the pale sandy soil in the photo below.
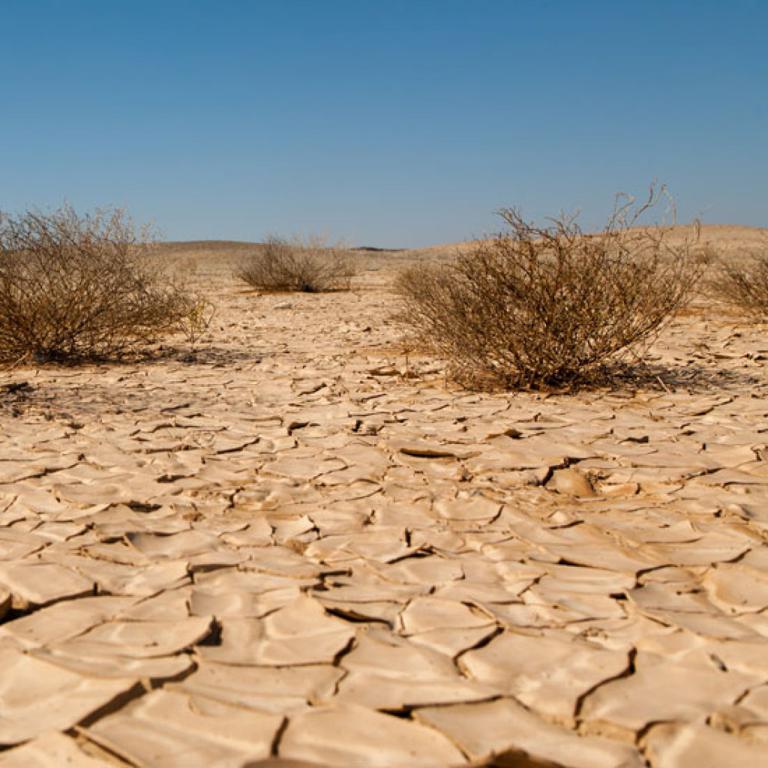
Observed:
{"x":295,"y":543}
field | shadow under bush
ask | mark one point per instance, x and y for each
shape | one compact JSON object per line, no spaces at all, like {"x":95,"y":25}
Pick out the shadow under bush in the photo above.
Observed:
{"x":550,"y":306}
{"x":297,"y":265}
{"x":81,"y":287}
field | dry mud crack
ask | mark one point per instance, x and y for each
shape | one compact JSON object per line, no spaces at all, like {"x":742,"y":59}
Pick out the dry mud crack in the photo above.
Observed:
{"x":292,"y":549}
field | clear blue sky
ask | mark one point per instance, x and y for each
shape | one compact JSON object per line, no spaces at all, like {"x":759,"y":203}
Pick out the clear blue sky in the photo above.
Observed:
{"x":384,"y":122}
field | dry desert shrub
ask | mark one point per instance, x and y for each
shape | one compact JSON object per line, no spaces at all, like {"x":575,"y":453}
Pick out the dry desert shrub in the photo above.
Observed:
{"x":550,"y":306}
{"x":744,"y":284}
{"x":75,"y":287}
{"x":297,"y":265}
{"x":196,"y":322}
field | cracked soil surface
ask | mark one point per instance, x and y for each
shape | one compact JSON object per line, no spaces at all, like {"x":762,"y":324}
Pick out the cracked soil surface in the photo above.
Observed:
{"x":296,"y":547}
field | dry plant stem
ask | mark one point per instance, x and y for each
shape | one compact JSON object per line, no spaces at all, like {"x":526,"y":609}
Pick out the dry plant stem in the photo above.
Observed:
{"x":74,"y":287}
{"x":297,"y":265}
{"x":550,"y":306}
{"x":745,"y":285}
{"x":198,"y":319}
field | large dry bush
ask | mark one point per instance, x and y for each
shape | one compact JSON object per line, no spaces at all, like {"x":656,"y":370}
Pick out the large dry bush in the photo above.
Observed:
{"x":743,"y":283}
{"x":550,"y":306}
{"x":297,"y":265}
{"x":74,"y":287}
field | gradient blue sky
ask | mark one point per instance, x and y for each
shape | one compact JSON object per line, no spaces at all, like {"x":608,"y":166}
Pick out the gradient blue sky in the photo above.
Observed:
{"x":386,"y":122}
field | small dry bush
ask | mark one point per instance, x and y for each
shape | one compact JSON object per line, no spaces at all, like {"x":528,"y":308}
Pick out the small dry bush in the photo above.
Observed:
{"x":744,"y":284}
{"x":75,"y":287}
{"x":550,"y":306}
{"x":297,"y":265}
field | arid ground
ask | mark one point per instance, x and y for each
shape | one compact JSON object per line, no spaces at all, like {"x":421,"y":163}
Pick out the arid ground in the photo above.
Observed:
{"x":300,"y":545}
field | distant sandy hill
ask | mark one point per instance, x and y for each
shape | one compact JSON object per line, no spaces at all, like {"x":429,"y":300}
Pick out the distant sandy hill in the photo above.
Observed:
{"x":726,"y":238}
{"x":240,"y":247}
{"x":213,"y":247}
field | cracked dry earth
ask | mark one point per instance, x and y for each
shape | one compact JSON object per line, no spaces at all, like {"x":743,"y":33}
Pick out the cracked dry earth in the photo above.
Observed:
{"x":292,"y":549}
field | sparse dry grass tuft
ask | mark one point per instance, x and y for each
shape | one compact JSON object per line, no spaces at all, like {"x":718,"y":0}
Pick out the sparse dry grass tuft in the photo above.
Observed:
{"x":297,"y":265}
{"x":75,"y":287}
{"x":743,"y":284}
{"x":550,"y":306}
